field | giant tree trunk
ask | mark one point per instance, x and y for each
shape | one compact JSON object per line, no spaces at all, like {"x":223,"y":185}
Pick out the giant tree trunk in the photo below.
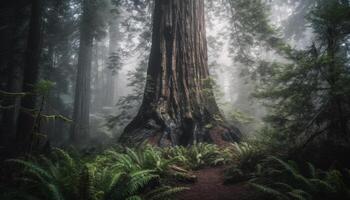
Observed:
{"x":179,"y":107}
{"x":81,"y":120}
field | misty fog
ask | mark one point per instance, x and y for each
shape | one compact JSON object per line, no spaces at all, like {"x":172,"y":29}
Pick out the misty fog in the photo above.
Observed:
{"x":174,"y":99}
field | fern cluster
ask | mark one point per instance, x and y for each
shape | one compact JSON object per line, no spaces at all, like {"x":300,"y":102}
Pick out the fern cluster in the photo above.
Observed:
{"x":198,"y":155}
{"x":244,"y":158}
{"x":133,"y":174}
{"x":145,"y":172}
{"x":284,"y":180}
{"x":43,"y":178}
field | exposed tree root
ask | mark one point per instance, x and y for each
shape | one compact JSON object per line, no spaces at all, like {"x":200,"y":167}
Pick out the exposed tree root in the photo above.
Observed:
{"x":159,"y":132}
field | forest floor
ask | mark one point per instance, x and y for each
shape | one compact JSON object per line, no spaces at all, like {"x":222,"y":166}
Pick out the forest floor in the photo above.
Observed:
{"x":210,"y":186}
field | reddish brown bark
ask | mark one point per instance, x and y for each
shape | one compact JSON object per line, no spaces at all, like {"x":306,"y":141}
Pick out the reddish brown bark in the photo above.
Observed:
{"x":178,"y":106}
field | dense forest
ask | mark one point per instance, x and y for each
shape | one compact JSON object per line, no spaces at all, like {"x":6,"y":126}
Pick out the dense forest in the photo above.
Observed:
{"x":175,"y":99}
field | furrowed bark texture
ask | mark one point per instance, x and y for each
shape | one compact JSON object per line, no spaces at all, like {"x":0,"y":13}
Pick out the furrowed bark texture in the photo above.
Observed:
{"x":179,"y":107}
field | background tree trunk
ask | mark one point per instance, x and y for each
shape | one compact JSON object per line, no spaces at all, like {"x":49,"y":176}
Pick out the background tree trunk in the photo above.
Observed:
{"x":178,"y":106}
{"x":80,"y":127}
{"x":13,"y":39}
{"x":26,"y":120}
{"x":113,"y":41}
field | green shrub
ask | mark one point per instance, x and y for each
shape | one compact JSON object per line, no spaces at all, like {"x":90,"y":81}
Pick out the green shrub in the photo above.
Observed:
{"x":54,"y":179}
{"x":197,"y":156}
{"x":284,"y":180}
{"x":244,"y":158}
{"x":134,"y":174}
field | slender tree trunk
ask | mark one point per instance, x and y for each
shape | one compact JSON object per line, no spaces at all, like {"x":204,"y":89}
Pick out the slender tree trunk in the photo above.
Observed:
{"x":96,"y":93}
{"x":80,"y":127}
{"x":339,"y":121}
{"x":113,"y":41}
{"x":178,"y":106}
{"x":26,"y":121}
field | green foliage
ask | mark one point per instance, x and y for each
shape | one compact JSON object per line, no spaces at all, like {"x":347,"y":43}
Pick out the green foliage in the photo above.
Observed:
{"x":284,"y":180}
{"x":134,"y":174}
{"x":329,"y":16}
{"x":245,"y":158}
{"x":43,"y":178}
{"x":43,"y":87}
{"x":209,"y":87}
{"x":144,"y":157}
{"x":138,"y":26}
{"x":250,"y":29}
{"x":240,"y":117}
{"x":198,"y":155}
{"x":271,"y":141}
{"x":114,"y":62}
{"x":307,"y":94}
{"x":246,"y":155}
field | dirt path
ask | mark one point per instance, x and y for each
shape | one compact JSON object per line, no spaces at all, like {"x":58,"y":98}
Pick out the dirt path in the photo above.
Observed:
{"x":209,"y":186}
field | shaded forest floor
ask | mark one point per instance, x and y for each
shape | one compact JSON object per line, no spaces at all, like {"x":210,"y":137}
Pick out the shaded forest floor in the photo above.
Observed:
{"x":210,"y":186}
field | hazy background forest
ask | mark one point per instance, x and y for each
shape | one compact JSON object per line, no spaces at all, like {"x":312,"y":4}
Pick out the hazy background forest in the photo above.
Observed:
{"x":143,"y":99}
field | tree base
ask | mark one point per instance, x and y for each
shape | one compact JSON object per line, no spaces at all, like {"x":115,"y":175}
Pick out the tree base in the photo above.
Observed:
{"x":159,"y":133}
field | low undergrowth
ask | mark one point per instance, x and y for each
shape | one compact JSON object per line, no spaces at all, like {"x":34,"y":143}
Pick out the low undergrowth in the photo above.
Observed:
{"x":198,"y":156}
{"x":276,"y":177}
{"x":151,"y":173}
{"x":279,"y":179}
{"x":145,"y":172}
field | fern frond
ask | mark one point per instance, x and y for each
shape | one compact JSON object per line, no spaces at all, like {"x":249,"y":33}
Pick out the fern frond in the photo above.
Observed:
{"x":140,"y":179}
{"x":33,"y":168}
{"x":267,"y":190}
{"x":300,"y":195}
{"x":134,"y":198}
{"x":165,"y":192}
{"x":312,"y":170}
{"x":54,"y":193}
{"x":322,"y":185}
{"x":284,"y":186}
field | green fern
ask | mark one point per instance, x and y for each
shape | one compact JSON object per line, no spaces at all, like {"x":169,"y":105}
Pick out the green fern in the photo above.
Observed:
{"x":270,"y":191}
{"x":137,"y":173}
{"x":164,"y":193}
{"x":292,"y":184}
{"x":131,"y":174}
{"x":198,"y":155}
{"x":48,"y":178}
{"x":246,"y":160}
